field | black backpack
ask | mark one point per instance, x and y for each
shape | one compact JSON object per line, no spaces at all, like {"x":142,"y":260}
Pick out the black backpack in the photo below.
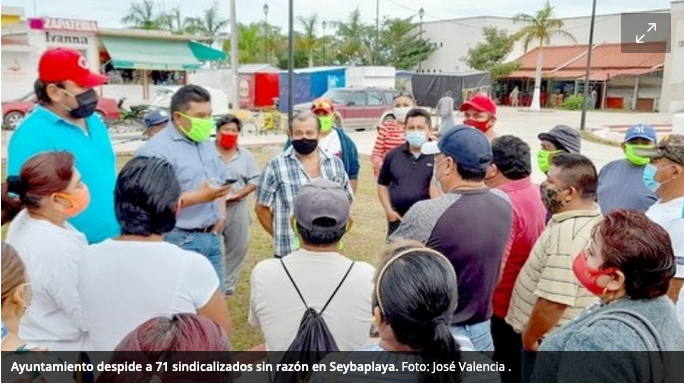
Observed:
{"x":313,"y":340}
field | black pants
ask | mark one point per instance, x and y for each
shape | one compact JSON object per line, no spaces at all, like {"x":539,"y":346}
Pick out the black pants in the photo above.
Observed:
{"x":392,"y":226}
{"x":507,"y":350}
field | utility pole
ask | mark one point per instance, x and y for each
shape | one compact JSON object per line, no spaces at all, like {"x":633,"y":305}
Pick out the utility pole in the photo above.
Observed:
{"x":421,"y":13}
{"x":583,"y":121}
{"x":234,"y":54}
{"x":290,"y":61}
{"x":265,"y":33}
{"x":377,"y":29}
{"x":325,"y":43}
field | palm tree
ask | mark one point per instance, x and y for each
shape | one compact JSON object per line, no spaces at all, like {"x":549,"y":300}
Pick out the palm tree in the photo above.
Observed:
{"x":210,"y":24}
{"x":354,"y":45}
{"x":308,"y":40}
{"x":141,"y":15}
{"x":540,"y":29}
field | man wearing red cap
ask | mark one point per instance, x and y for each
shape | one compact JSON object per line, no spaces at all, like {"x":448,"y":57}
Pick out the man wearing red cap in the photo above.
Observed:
{"x":480,"y":112}
{"x":64,"y":120}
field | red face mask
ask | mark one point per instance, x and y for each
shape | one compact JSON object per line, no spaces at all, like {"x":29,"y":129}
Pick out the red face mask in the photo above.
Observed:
{"x":228,"y":140}
{"x":483,"y":126}
{"x":588,"y":275}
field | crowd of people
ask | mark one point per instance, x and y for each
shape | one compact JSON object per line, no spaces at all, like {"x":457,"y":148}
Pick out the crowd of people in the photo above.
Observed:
{"x":478,"y":257}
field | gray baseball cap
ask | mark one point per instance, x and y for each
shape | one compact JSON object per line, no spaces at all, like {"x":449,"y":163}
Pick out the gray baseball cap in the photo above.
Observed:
{"x":321,"y":198}
{"x":567,"y":138}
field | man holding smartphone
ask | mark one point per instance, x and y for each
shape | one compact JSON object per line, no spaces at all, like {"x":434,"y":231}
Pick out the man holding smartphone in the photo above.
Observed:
{"x":185,"y":144}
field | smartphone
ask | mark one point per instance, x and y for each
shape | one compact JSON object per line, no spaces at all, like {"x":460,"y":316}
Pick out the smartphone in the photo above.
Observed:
{"x":229,"y":182}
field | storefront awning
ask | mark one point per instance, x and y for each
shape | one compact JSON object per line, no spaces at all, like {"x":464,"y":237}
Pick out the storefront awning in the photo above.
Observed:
{"x":206,"y":53}
{"x":150,"y":54}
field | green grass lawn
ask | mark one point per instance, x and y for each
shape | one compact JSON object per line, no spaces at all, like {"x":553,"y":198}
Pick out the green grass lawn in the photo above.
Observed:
{"x":362,"y":243}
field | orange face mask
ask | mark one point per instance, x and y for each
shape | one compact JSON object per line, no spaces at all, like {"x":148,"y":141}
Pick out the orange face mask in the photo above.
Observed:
{"x":79,"y":201}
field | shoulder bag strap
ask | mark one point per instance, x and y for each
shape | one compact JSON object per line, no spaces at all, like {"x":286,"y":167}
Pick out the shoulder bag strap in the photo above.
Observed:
{"x":338,"y":288}
{"x":293,"y":283}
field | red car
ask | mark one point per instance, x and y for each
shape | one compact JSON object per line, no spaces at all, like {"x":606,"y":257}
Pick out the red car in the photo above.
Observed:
{"x":357,"y":108}
{"x":13,"y":112}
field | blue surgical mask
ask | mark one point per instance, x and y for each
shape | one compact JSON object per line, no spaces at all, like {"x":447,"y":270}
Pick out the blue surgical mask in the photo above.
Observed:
{"x":649,"y":177}
{"x":416,"y":138}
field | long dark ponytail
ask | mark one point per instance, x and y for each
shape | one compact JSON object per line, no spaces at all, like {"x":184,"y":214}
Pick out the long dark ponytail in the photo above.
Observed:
{"x":421,"y":313}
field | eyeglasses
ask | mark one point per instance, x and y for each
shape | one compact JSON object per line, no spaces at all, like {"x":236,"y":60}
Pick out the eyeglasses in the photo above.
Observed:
{"x":403,"y":94}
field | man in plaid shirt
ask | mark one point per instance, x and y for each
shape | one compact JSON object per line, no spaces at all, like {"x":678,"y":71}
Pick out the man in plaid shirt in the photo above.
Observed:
{"x":285,"y":175}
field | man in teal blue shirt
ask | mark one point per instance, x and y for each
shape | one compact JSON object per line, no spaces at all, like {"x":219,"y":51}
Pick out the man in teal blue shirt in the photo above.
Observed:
{"x":64,"y":120}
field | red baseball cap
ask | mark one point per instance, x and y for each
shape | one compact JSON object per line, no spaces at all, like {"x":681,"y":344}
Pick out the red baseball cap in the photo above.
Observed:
{"x":59,"y":64}
{"x":480,"y":103}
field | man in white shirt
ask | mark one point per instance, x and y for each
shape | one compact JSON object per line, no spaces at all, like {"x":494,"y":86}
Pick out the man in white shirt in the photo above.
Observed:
{"x":665,"y":176}
{"x":321,"y":218}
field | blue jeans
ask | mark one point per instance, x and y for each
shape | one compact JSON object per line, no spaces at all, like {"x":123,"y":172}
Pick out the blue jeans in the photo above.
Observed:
{"x":207,"y":244}
{"x":480,"y":335}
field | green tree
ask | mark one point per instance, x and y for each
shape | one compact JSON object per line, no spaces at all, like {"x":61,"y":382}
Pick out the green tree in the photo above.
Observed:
{"x":353,"y":44}
{"x":173,"y":21}
{"x":308,"y":41}
{"x":251,"y":43}
{"x":538,"y":30}
{"x":142,"y":15}
{"x":490,"y":54}
{"x":210,"y":24}
{"x":401,"y":45}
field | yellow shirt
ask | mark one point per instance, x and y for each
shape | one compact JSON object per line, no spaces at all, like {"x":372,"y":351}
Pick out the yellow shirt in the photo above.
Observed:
{"x":547,"y":273}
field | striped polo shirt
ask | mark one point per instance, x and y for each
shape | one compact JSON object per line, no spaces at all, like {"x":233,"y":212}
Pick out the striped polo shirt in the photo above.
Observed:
{"x":548,"y":271}
{"x":389,"y":137}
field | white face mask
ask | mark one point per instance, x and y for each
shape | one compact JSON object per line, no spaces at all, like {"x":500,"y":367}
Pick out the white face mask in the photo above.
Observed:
{"x":400,"y":113}
{"x":435,"y":180}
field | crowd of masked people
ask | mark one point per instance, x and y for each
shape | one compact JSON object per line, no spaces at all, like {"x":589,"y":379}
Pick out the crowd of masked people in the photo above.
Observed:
{"x":478,"y":257}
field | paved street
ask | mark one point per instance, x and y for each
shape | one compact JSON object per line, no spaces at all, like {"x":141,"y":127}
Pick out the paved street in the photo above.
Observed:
{"x":512,"y":121}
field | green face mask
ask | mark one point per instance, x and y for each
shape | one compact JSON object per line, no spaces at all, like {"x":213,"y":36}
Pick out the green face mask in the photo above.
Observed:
{"x":633,"y":158}
{"x":544,"y":159}
{"x":326,"y":123}
{"x":200,"y":129}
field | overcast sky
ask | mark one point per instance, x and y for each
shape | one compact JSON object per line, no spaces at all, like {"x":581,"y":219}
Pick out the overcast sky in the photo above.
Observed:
{"x":109,"y":13}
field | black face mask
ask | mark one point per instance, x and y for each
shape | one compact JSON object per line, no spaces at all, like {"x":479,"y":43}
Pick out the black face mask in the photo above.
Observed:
{"x":87,"y":103}
{"x":305,"y":146}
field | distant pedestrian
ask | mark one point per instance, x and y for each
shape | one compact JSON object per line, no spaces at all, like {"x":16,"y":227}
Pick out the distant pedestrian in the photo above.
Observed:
{"x":155,"y":121}
{"x":621,"y":183}
{"x":445,"y":111}
{"x":391,"y":133}
{"x":560,"y":139}
{"x":480,"y":113}
{"x":515,"y":94}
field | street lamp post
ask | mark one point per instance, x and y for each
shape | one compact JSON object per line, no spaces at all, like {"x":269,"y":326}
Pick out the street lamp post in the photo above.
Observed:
{"x":583,"y":120}
{"x":421,"y":13}
{"x":265,"y":33}
{"x":325,"y":59}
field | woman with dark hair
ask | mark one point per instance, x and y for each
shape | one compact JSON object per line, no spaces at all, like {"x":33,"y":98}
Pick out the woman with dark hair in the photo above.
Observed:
{"x":156,"y":339}
{"x":415,"y":319}
{"x":628,"y":265}
{"x":391,"y":133}
{"x":47,"y":192}
{"x":16,"y":297}
{"x":244,"y":172}
{"x":137,"y":275}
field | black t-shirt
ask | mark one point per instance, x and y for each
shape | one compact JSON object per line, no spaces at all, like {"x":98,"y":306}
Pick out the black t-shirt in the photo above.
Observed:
{"x":471,"y":228}
{"x":407,"y":177}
